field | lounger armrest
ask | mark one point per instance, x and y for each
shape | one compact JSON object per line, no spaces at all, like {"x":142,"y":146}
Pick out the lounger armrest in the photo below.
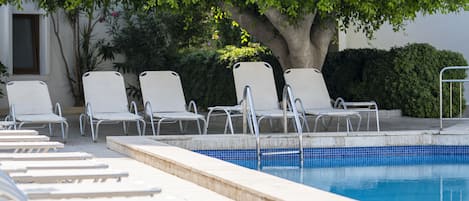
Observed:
{"x":89,"y":110}
{"x":339,"y":103}
{"x":193,"y":105}
{"x":58,"y":109}
{"x":363,"y":104}
{"x":300,"y":103}
{"x":133,"y":106}
{"x":12,"y":115}
{"x":147,"y":107}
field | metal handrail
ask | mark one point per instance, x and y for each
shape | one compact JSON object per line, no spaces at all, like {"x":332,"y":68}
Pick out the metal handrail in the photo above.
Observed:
{"x":451,"y":81}
{"x":289,"y":100}
{"x":249,"y":116}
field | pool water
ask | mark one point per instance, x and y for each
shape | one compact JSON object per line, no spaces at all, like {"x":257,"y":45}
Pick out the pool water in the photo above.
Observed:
{"x":370,"y":173}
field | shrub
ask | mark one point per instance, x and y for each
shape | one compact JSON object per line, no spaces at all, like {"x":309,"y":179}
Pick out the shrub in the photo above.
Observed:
{"x":3,"y":75}
{"x":207,"y":75}
{"x":403,"y":78}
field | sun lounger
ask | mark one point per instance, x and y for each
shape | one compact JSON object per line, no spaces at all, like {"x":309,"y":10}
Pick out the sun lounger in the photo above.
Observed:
{"x":9,"y":190}
{"x":163,"y":98}
{"x":28,"y":147}
{"x":23,"y":138}
{"x":67,"y":175}
{"x":18,"y":132}
{"x":49,"y":165}
{"x":260,"y":78}
{"x":95,"y":190}
{"x":45,"y":156}
{"x":30,"y":103}
{"x":311,"y":92}
{"x":106,"y":102}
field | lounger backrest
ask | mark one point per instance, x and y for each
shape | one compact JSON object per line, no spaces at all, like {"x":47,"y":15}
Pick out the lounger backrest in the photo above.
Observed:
{"x":163,"y":89}
{"x":29,"y":97}
{"x":260,"y":77}
{"x":105,"y":91}
{"x":308,"y":84}
{"x":9,"y":190}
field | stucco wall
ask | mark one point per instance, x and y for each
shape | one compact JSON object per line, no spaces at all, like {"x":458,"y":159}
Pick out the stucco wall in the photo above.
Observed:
{"x":54,"y":73}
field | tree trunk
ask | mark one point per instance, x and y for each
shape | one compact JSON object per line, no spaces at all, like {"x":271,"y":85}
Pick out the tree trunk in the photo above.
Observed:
{"x":303,"y":44}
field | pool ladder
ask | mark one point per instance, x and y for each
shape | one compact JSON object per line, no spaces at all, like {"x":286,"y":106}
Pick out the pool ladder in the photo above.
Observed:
{"x":250,"y":119}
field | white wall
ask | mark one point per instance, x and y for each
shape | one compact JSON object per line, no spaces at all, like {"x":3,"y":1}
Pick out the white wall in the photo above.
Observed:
{"x":449,"y":32}
{"x":53,"y":72}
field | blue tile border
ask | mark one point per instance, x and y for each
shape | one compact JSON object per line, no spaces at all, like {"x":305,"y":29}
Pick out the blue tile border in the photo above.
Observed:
{"x":344,"y":152}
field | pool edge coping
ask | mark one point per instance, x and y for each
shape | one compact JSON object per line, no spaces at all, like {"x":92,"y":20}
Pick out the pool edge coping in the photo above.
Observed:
{"x":214,"y":174}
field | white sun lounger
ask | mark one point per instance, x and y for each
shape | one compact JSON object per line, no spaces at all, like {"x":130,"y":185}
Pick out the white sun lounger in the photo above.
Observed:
{"x":23,"y":138}
{"x":45,"y":156}
{"x":30,"y":103}
{"x":164,"y":100}
{"x":18,"y":132}
{"x":260,"y":78}
{"x":310,"y":90}
{"x":94,"y":190}
{"x":9,"y":190}
{"x":50,"y":165}
{"x":67,"y":175}
{"x":29,"y":147}
{"x":106,"y":102}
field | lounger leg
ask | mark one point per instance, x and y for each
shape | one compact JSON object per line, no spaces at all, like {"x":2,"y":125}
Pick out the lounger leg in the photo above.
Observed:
{"x":377,"y":118}
{"x":271,"y":124}
{"x":305,"y":122}
{"x":230,"y":122}
{"x":348,"y":124}
{"x":259,"y":122}
{"x":92,"y":130}
{"x":82,"y":124}
{"x":205,"y":124}
{"x":181,"y":129}
{"x":97,"y":128}
{"x":316,"y":123}
{"x":159,"y":126}
{"x":50,"y":130}
{"x":368,"y":121}
{"x":124,"y":126}
{"x":152,"y":126}
{"x":226,"y":126}
{"x":141,"y":131}
{"x":63,"y":131}
{"x":208,"y":120}
{"x":198,"y":126}
{"x":359,"y":121}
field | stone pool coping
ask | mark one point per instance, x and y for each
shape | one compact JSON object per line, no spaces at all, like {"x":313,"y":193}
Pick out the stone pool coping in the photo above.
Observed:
{"x":227,"y":179}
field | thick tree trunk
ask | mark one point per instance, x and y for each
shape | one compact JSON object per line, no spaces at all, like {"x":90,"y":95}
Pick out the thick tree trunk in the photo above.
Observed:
{"x":303,"y":44}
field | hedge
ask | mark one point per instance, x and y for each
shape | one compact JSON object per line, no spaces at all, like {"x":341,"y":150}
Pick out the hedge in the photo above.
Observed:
{"x":403,"y":78}
{"x":207,"y":75}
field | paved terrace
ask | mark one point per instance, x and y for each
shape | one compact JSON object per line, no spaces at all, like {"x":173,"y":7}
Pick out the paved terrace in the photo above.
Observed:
{"x":174,"y":188}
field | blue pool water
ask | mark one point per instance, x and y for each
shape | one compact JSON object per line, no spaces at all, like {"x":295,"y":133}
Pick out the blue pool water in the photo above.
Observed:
{"x":407,"y":173}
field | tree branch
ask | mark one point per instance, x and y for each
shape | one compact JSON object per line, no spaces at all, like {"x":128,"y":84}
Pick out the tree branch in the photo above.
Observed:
{"x":62,"y":53}
{"x":322,"y":33}
{"x":288,"y":29}
{"x":263,"y":30}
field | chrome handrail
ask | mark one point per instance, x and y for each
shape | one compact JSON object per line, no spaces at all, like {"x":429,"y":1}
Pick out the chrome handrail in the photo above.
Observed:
{"x":249,"y":116}
{"x":289,"y":101}
{"x":451,"y":81}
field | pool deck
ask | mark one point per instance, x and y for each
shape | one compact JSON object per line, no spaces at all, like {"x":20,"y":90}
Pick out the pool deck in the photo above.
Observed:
{"x":176,"y":188}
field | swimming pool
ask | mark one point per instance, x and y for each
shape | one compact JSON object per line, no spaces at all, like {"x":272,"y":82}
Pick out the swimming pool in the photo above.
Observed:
{"x":404,"y":173}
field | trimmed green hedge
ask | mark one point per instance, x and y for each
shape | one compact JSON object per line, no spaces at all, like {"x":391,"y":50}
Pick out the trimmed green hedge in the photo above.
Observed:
{"x":207,"y":75}
{"x":403,"y":78}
